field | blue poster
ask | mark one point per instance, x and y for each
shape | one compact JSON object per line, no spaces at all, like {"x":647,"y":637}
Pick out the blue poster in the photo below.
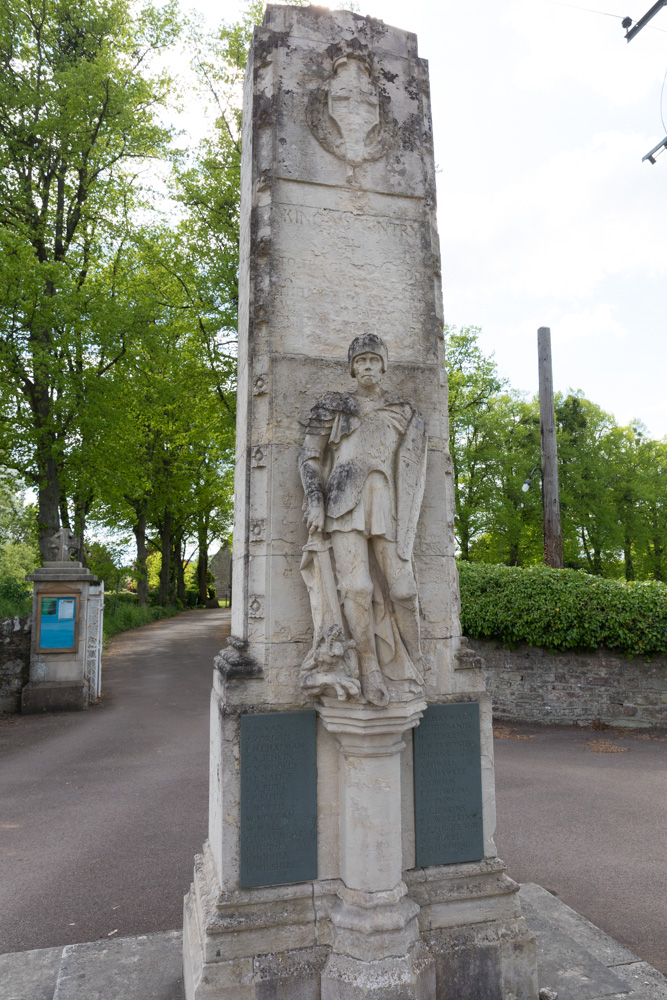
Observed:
{"x":58,"y":620}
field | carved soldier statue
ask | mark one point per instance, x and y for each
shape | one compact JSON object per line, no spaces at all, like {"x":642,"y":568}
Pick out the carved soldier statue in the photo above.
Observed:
{"x":363,"y":466}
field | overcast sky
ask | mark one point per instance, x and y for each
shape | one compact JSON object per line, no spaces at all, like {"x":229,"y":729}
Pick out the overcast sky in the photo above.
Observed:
{"x":547,"y":215}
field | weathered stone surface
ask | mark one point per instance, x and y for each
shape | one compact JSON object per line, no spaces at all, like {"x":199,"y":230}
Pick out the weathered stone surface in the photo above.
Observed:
{"x":15,"y":634}
{"x":348,"y":602}
{"x":221,"y":567}
{"x":147,"y":967}
{"x":54,"y":696}
{"x":71,"y":674}
{"x":29,"y":975}
{"x":531,"y":684}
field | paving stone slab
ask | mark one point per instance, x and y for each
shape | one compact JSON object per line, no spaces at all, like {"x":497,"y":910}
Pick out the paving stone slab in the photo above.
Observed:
{"x":148,"y":967}
{"x":646,"y":982}
{"x":602,"y":947}
{"x":579,"y":960}
{"x":29,"y":975}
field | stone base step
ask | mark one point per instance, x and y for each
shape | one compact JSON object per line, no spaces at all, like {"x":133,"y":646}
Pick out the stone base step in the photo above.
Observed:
{"x":575,"y":958}
{"x":29,"y":975}
{"x":578,"y":960}
{"x":148,"y":967}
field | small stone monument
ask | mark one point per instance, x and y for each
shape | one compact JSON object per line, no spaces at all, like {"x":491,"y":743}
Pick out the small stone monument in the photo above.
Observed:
{"x":350,"y":852}
{"x":66,"y":644}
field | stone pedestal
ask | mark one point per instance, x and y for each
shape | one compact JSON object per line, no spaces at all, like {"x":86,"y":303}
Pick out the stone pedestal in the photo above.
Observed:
{"x":376,"y":949}
{"x":345,"y":586}
{"x":68,"y":678}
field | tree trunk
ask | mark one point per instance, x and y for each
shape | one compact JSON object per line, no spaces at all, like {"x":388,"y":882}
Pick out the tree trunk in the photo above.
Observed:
{"x":64,"y":511}
{"x":82,"y":505}
{"x":202,"y":541}
{"x":657,"y":560}
{"x":165,"y":546}
{"x":586,"y":551}
{"x":627,"y":557}
{"x":179,"y":568}
{"x":139,"y":530}
{"x":48,"y":500}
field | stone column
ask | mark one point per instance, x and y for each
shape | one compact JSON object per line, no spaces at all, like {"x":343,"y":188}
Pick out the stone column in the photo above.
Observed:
{"x":346,"y":683}
{"x":58,"y":677}
{"x":374,"y":920}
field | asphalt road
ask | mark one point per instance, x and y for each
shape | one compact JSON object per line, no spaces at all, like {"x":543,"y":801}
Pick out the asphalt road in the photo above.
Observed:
{"x":589,"y":826}
{"x":102,"y":812}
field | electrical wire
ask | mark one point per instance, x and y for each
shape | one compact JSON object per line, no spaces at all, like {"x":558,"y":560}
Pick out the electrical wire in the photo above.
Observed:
{"x":604,"y":13}
{"x":589,"y":10}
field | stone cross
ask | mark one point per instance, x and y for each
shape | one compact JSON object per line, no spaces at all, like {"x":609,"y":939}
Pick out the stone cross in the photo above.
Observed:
{"x":60,"y":544}
{"x":350,"y":852}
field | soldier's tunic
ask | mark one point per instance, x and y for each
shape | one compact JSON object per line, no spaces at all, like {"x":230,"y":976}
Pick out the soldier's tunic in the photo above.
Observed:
{"x":368,"y":464}
{"x":360,"y":492}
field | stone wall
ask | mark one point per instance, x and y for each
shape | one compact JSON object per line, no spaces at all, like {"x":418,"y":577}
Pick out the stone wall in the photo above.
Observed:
{"x":14,"y":661}
{"x":530,"y":684}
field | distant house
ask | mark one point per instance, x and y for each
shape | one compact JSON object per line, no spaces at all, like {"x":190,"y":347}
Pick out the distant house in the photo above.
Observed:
{"x":221,"y":567}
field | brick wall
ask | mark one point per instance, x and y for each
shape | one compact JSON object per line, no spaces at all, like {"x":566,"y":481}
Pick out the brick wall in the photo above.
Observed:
{"x":533,"y":685}
{"x":14,"y":661}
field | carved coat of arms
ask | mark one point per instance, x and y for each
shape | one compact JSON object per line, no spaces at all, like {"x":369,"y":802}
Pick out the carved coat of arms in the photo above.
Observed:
{"x":348,"y":117}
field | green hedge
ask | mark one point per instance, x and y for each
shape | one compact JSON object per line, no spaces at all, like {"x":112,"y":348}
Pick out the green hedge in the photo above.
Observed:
{"x":131,"y":615}
{"x":562,"y":609}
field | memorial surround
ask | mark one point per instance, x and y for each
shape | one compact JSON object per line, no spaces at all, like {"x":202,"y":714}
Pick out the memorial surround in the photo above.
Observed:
{"x":350,"y":851}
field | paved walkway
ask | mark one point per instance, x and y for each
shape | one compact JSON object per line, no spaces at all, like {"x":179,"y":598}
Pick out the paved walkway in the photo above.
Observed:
{"x":590,"y":826}
{"x":101,"y":813}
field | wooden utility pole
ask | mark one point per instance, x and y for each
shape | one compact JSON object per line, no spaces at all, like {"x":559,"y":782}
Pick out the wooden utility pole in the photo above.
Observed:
{"x":553,"y":539}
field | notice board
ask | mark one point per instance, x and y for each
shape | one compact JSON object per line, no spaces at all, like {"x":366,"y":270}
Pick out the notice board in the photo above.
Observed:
{"x":57,"y":623}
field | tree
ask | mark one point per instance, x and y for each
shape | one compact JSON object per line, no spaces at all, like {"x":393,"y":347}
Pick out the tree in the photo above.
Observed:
{"x":78,"y":119}
{"x":473,"y":383}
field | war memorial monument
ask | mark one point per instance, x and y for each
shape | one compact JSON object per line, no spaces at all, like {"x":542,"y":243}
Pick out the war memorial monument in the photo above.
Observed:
{"x":350,"y":852}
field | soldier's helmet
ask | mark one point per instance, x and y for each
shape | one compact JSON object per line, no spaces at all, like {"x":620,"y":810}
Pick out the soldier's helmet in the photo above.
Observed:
{"x":368,"y":343}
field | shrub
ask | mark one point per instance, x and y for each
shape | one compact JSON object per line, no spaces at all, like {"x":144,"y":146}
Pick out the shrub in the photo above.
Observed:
{"x":562,"y":609}
{"x":130,"y":614}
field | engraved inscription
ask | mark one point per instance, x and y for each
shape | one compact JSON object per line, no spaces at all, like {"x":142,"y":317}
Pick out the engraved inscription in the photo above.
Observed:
{"x":339,"y":270}
{"x":278,"y":798}
{"x":448,"y":786}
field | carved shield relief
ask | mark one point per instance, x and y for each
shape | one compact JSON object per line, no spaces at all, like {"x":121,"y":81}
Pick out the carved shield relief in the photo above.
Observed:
{"x":348,"y":117}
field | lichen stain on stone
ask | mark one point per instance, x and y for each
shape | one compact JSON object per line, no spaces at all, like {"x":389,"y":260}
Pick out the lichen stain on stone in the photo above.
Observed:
{"x":265,"y":44}
{"x":411,"y":133}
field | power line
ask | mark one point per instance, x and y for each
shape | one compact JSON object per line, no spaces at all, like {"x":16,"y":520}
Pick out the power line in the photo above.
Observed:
{"x":588,"y":10}
{"x":602,"y":13}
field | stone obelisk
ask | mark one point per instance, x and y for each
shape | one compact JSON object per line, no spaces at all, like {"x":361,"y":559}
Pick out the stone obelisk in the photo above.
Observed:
{"x":350,"y":851}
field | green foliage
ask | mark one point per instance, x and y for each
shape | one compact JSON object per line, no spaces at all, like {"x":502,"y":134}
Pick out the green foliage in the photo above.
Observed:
{"x":12,"y":606}
{"x":106,"y":562}
{"x":78,"y":118}
{"x":562,"y":609}
{"x":17,"y":559}
{"x":130,"y":614}
{"x":613,"y":481}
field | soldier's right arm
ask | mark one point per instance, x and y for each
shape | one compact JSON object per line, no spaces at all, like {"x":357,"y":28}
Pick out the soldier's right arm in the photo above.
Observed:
{"x":310,"y":465}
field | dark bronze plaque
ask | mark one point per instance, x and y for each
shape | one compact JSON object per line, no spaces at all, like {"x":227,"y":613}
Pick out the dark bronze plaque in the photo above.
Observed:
{"x":448,"y":786}
{"x":278,"y":798}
